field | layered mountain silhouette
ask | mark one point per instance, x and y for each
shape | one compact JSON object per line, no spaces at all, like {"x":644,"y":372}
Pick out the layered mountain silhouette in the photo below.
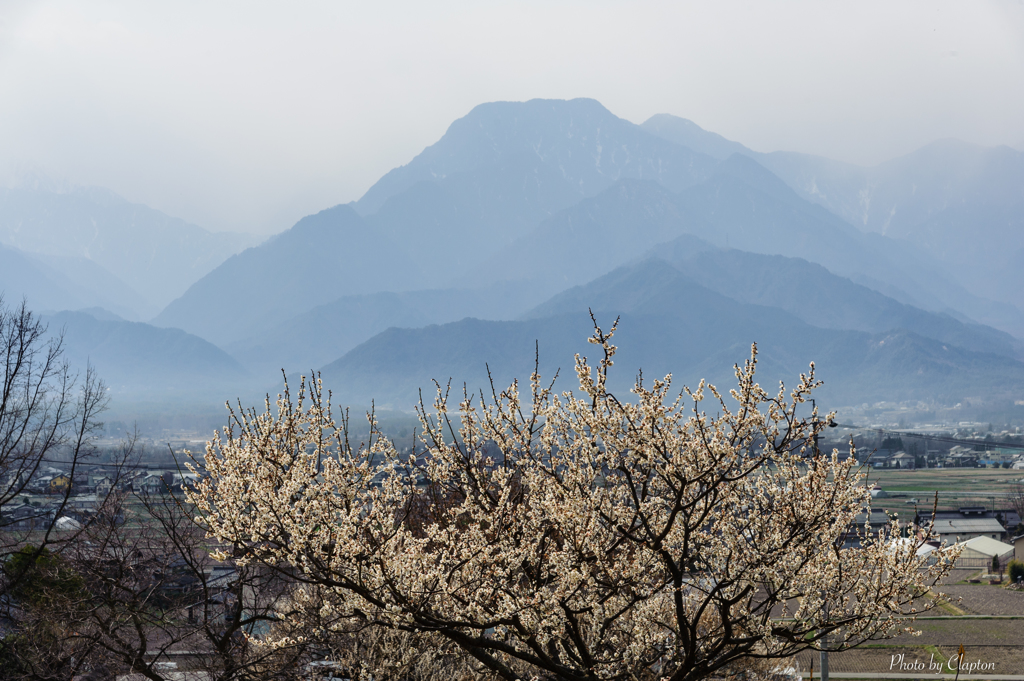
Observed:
{"x":61,"y":282}
{"x":323,"y":257}
{"x":821,"y":298}
{"x":138,"y":360}
{"x":668,"y":324}
{"x":901,"y":281}
{"x":507,"y":165}
{"x":741,"y":204}
{"x":959,"y":203}
{"x":320,"y":335}
{"x":552,"y":193}
{"x":157,"y":256}
{"x":800,"y":288}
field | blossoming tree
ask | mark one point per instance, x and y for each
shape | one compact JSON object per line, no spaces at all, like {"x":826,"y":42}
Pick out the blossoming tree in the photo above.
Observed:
{"x":572,"y":536}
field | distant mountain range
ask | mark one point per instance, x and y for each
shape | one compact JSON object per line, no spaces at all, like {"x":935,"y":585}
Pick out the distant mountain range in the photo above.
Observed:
{"x":962,"y":204}
{"x":801,"y":289}
{"x":669,"y":324}
{"x":741,"y":205}
{"x":901,"y":281}
{"x":141,"y":361}
{"x":326,"y":256}
{"x":152,"y":255}
{"x":330,"y":330}
{"x":821,"y":298}
{"x":54,"y":283}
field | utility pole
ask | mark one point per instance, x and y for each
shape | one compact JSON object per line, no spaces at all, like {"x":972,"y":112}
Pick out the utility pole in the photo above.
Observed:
{"x":823,"y":654}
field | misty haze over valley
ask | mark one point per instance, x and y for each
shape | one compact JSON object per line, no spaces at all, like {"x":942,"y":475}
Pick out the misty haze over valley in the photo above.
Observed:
{"x":486,"y":230}
{"x":900,"y":281}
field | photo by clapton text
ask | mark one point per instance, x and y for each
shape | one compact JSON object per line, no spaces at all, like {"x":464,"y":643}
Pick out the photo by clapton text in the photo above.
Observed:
{"x":898,"y":662}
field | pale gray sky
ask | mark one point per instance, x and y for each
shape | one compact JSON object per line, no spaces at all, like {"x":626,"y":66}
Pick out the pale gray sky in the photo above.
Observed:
{"x":248,"y":115}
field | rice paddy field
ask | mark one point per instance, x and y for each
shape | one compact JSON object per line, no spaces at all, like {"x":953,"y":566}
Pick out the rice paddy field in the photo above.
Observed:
{"x":955,"y":486}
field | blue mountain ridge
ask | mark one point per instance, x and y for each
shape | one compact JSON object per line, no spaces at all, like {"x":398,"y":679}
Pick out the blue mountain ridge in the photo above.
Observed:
{"x":323,"y":257}
{"x":959,"y":203}
{"x":519,"y":202}
{"x":668,"y":324}
{"x":140,"y":360}
{"x":154,"y":255}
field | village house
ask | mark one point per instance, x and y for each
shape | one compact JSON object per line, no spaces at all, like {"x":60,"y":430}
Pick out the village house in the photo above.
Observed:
{"x":150,"y":484}
{"x":103,"y":486}
{"x":59,"y":484}
{"x":961,"y":457}
{"x":24,"y":517}
{"x":880,"y":459}
{"x":966,"y":523}
{"x":902,"y":460}
{"x":979,"y":552}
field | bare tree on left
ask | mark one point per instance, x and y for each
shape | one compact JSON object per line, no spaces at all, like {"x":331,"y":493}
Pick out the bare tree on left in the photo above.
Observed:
{"x":48,"y":415}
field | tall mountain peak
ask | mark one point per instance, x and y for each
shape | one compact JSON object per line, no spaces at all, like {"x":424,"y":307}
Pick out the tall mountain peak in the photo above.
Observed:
{"x":589,"y":146}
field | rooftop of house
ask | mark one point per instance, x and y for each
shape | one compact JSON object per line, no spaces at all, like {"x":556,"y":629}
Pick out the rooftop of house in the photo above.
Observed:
{"x":988,"y":546}
{"x":959,"y":526}
{"x":878,"y":517}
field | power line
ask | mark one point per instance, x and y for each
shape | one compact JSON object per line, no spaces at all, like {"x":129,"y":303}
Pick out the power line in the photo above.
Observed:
{"x":937,"y":438}
{"x":93,"y":464}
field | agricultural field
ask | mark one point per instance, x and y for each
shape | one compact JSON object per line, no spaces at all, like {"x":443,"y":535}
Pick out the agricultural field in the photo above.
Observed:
{"x":955,"y":486}
{"x":988,"y":620}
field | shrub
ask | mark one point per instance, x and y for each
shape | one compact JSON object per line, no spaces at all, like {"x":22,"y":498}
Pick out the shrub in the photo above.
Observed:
{"x":1016,"y":571}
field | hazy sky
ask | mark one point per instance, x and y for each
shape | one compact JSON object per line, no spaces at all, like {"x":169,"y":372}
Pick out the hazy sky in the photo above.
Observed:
{"x":248,"y":115}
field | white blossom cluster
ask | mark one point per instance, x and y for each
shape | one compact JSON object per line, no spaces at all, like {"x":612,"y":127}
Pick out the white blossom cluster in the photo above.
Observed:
{"x":575,"y":536}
